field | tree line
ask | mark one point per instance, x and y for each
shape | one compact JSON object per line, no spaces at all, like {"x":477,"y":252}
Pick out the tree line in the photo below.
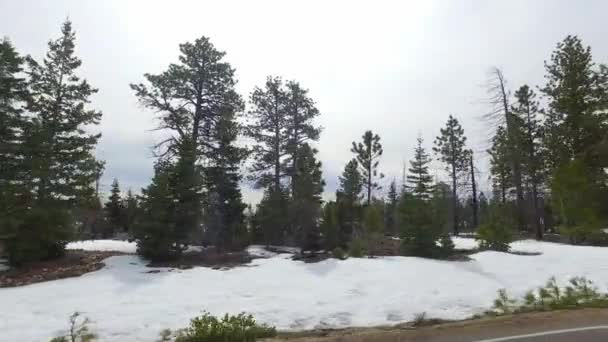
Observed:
{"x":548,"y":163}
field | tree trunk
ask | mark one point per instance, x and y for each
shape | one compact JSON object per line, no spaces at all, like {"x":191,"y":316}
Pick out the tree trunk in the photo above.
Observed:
{"x":513,"y":152}
{"x":454,"y":200}
{"x":474,"y":185}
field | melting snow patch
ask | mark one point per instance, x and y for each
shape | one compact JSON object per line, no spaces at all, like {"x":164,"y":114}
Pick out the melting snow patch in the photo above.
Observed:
{"x":123,"y":299}
{"x":104,"y":246}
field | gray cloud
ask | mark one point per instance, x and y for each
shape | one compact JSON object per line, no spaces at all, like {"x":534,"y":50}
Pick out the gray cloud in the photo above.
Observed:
{"x":396,"y":67}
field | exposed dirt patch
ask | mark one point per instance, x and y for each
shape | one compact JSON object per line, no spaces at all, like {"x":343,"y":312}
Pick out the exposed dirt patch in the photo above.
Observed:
{"x":209,"y":257}
{"x":461,"y":331}
{"x":73,"y":264}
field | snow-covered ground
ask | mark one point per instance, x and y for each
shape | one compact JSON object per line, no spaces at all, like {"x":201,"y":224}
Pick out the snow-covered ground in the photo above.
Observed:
{"x":127,"y":303}
{"x":114,"y":246}
{"x":104,"y":246}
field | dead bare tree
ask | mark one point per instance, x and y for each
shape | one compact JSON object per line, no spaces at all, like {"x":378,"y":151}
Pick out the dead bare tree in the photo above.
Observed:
{"x":500,"y":114}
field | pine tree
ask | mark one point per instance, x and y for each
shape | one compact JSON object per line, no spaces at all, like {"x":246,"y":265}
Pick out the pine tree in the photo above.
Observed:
{"x":190,"y":98}
{"x":500,"y":167}
{"x":351,"y":182}
{"x":526,"y":109}
{"x":450,"y":148}
{"x":368,"y":153}
{"x":474,"y":203}
{"x":502,"y":111}
{"x":330,"y":227}
{"x":267,"y":127}
{"x":61,"y":168}
{"x":347,"y":200}
{"x":131,"y":211}
{"x":300,"y":112}
{"x":419,"y":178}
{"x":224,"y":217}
{"x":13,"y":92}
{"x":114,"y":210}
{"x":157,"y":234}
{"x":575,"y":93}
{"x":391,"y":209}
{"x":305,"y":207}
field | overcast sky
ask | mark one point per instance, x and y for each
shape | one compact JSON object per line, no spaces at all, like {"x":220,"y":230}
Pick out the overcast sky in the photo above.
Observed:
{"x":396,"y":67}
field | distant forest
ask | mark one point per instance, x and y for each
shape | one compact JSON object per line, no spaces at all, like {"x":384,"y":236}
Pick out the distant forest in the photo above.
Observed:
{"x":548,"y":164}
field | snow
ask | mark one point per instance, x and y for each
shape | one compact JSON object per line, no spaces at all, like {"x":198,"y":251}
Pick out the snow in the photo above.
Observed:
{"x":104,"y":246}
{"x":4,"y":265}
{"x":127,"y":303}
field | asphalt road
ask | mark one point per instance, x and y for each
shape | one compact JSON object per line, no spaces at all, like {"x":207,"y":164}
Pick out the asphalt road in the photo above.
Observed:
{"x":584,"y":334}
{"x":585,"y":325}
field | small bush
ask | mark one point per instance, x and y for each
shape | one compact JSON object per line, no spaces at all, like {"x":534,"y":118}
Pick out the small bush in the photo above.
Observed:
{"x":357,"y":248}
{"x":585,"y":234}
{"x":447,"y":246}
{"x":494,"y":236}
{"x":208,"y":328}
{"x":338,"y":253}
{"x":579,"y":293}
{"x":78,"y":331}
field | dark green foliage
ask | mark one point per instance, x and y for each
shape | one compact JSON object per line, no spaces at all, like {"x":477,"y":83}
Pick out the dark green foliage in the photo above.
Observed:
{"x":419,"y":233}
{"x":390,"y":210}
{"x":239,"y":328}
{"x":446,"y":247}
{"x":157,"y":235}
{"x":195,"y":100}
{"x":267,"y":127}
{"x":500,"y":166}
{"x":58,"y":167}
{"x":338,"y":253}
{"x":373,"y":222}
{"x":368,"y":153}
{"x":357,"y":248}
{"x":419,"y":179}
{"x":450,"y":149}
{"x":351,"y":182}
{"x":224,"y":217}
{"x":330,"y":227}
{"x":42,"y":234}
{"x":114,"y":211}
{"x":305,"y":206}
{"x":131,"y":211}
{"x":497,"y":233}
{"x":270,"y":222}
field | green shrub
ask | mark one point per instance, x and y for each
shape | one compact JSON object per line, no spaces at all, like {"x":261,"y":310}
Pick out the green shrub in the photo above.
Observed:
{"x":446,"y":247}
{"x":494,"y":236}
{"x":78,"y":331}
{"x":208,"y":328}
{"x":588,"y":233}
{"x":357,"y":248}
{"x":579,"y":293}
{"x":338,"y":253}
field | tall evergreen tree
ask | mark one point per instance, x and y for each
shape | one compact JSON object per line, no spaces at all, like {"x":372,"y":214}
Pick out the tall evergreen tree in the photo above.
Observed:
{"x":190,"y":98}
{"x":114,"y":210}
{"x":419,"y":178}
{"x":59,"y":158}
{"x":390,"y":211}
{"x":131,"y":211}
{"x":450,"y":149}
{"x":368,"y":153}
{"x":500,"y":167}
{"x":300,"y":112}
{"x":225,"y":208}
{"x":526,"y":109}
{"x":156,"y":232}
{"x":268,"y":128}
{"x":347,"y":199}
{"x":575,"y":92}
{"x":13,"y":92}
{"x":305,"y":206}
